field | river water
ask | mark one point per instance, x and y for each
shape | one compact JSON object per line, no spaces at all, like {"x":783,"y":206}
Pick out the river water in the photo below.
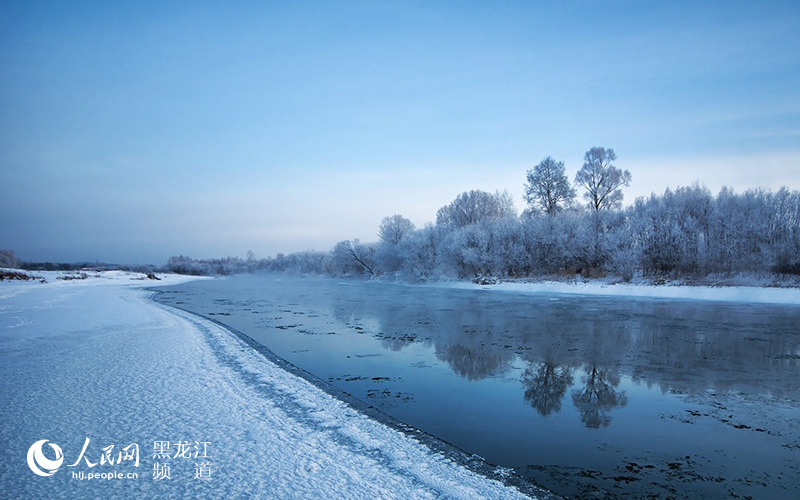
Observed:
{"x":590,"y":397}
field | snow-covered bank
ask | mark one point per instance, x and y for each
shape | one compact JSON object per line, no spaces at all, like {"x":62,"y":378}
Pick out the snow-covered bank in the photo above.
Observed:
{"x":25,"y":279}
{"x":91,"y":363}
{"x":752,"y":294}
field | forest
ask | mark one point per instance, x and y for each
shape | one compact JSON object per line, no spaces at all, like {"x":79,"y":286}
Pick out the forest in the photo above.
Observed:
{"x":687,"y":232}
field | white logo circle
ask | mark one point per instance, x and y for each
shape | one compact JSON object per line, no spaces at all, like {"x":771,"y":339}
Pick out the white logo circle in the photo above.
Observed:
{"x":39,"y":463}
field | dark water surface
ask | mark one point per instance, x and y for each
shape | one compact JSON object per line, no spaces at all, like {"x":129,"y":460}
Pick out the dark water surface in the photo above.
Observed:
{"x":589,"y":397}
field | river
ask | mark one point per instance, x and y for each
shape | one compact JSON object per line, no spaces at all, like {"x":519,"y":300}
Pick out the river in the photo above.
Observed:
{"x":601,"y":397}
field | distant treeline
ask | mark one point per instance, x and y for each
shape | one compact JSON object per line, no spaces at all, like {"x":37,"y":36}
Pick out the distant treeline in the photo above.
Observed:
{"x":9,"y":260}
{"x":687,"y":232}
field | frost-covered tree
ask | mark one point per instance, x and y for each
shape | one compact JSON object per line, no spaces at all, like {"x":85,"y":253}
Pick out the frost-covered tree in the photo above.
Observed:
{"x":673,"y":230}
{"x":625,"y":252}
{"x":468,"y":251}
{"x":393,"y":229}
{"x":785,"y":236}
{"x":354,"y":257}
{"x":602,"y":180}
{"x":422,"y":253}
{"x":390,"y":252}
{"x":511,"y":256}
{"x":473,"y":207}
{"x":307,"y":262}
{"x":506,"y":203}
{"x":181,"y":264}
{"x":548,"y":187}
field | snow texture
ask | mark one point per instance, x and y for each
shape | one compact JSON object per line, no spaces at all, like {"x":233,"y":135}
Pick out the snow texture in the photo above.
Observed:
{"x":97,"y":359}
{"x":749,"y":294}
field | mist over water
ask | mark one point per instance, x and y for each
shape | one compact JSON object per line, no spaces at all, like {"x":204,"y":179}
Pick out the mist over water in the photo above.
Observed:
{"x":582,"y":395}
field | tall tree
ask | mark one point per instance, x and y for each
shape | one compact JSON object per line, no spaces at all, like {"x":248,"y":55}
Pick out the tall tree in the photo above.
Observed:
{"x":393,"y":229}
{"x":390,"y":252}
{"x":602,"y":180}
{"x":548,"y":186}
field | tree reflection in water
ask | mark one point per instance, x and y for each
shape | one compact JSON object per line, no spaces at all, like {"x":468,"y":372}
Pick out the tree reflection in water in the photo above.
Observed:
{"x":685,"y":346}
{"x":566,"y":345}
{"x":472,"y":362}
{"x":545,"y":386}
{"x":598,"y":397}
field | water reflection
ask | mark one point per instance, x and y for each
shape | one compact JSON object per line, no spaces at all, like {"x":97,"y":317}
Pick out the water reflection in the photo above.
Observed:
{"x":545,"y":385}
{"x":598,"y":397}
{"x":472,"y":361}
{"x":553,"y":346}
{"x":582,"y":347}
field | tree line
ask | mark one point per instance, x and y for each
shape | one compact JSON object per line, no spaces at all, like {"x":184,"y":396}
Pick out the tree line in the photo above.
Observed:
{"x":686,"y":232}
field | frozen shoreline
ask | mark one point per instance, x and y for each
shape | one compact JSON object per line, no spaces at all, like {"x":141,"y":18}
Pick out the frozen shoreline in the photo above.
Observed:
{"x":750,"y":294}
{"x":101,"y":360}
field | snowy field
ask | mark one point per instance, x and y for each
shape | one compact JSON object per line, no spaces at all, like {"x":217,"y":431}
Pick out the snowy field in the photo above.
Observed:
{"x":137,"y":400}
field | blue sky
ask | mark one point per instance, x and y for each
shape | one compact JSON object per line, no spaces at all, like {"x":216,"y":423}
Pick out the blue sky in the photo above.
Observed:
{"x":130,"y":132}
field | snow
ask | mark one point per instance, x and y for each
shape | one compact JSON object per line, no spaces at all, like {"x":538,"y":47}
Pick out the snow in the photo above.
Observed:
{"x":97,"y":359}
{"x":750,"y":294}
